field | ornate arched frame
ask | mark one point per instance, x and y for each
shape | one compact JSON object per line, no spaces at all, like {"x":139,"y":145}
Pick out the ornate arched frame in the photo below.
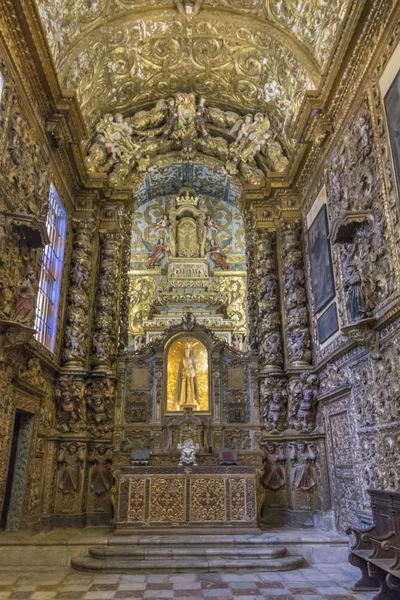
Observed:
{"x":202,"y":337}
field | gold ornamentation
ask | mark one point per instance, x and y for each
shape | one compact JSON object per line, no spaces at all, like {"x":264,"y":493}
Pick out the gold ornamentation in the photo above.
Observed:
{"x":136,"y":509}
{"x":167,"y":500}
{"x":187,"y":384}
{"x":123,"y":148}
{"x":207,"y":499}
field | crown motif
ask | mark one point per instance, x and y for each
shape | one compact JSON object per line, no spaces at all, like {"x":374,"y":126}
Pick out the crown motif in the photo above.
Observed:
{"x":187,"y":196}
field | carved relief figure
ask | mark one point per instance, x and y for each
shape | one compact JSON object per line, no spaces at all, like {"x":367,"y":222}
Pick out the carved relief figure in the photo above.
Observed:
{"x":101,"y":477}
{"x":24,"y":307}
{"x":68,"y":397}
{"x":217,"y":254}
{"x":273,"y":476}
{"x":70,"y":459}
{"x":186,"y":392}
{"x":302,"y":457}
{"x":158,"y":253}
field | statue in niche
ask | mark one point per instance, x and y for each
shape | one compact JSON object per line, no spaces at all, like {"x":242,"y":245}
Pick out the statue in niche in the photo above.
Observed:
{"x":217,"y":254}
{"x":302,"y":457}
{"x":24,"y":307}
{"x":157,"y":252}
{"x":186,"y":391}
{"x":71,"y":458}
{"x":273,"y":476}
{"x":355,"y":298}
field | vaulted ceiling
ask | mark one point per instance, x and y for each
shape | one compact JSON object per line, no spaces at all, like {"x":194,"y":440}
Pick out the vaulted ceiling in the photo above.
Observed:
{"x":120,"y":55}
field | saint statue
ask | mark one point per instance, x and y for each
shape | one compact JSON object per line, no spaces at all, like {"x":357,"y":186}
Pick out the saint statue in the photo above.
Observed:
{"x":186,"y":391}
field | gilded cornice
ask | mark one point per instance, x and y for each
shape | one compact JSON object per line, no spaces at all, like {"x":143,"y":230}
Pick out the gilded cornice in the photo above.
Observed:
{"x":372,"y":33}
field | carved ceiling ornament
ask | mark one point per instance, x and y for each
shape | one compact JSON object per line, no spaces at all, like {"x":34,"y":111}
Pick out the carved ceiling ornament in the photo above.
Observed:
{"x":248,"y":145}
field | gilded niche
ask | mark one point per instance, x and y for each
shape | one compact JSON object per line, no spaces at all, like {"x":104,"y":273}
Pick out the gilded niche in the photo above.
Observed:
{"x":187,"y":375}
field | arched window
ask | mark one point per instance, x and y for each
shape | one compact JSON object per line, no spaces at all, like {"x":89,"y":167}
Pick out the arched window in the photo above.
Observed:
{"x":51,"y":271}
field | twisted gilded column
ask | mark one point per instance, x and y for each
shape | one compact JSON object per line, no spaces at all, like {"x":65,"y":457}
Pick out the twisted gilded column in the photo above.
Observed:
{"x":126,"y":258}
{"x":76,"y":336}
{"x":106,"y":317}
{"x":298,"y":341}
{"x":269,"y":320}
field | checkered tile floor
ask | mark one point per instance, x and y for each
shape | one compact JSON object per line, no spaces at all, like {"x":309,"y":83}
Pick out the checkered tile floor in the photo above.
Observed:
{"x":330,"y":582}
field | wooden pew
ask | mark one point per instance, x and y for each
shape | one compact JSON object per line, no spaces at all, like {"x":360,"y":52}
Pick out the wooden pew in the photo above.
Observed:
{"x":376,"y":551}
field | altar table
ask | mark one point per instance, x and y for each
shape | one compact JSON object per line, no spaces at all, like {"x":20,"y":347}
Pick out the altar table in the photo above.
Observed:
{"x":220,"y":496}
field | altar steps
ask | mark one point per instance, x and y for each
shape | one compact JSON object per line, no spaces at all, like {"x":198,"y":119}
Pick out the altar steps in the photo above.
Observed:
{"x":187,"y":554}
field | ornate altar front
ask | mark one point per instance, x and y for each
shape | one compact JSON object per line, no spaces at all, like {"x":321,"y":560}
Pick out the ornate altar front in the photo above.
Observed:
{"x":187,"y":496}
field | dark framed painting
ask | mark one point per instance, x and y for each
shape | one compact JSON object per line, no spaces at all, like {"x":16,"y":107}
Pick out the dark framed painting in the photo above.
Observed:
{"x":392,"y":109}
{"x":323,"y":284}
{"x":327,"y":323}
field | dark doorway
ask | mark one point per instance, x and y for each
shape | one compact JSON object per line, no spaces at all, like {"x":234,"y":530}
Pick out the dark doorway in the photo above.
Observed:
{"x":17,"y":471}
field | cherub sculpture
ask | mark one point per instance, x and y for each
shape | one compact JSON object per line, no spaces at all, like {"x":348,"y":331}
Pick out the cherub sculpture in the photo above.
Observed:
{"x":188,"y":453}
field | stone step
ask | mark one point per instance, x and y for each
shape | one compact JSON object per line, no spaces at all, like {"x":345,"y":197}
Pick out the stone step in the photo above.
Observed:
{"x":162,"y":552}
{"x":285,"y":563}
{"x":187,"y":540}
{"x":190,"y":531}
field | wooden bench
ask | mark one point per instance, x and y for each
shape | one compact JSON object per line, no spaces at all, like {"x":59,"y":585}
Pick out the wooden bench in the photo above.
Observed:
{"x":376,"y":551}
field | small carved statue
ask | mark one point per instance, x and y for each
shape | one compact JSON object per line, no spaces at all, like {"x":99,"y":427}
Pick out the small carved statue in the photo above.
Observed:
{"x":355,"y":299}
{"x":302,"y":457}
{"x":68,"y":398}
{"x":188,"y":453}
{"x":275,"y":412}
{"x":24,"y":307}
{"x":273,"y":476}
{"x":70,"y":458}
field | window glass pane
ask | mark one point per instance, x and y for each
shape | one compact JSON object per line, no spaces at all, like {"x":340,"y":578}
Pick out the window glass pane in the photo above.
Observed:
{"x":51,"y":271}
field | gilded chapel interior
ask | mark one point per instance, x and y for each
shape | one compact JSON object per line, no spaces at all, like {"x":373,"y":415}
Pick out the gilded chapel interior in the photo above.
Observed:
{"x":200,"y":299}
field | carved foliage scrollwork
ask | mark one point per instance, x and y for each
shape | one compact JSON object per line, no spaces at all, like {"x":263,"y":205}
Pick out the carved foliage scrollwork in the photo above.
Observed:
{"x":269,"y":321}
{"x":77,"y":314}
{"x":298,"y":335}
{"x":105,"y":327}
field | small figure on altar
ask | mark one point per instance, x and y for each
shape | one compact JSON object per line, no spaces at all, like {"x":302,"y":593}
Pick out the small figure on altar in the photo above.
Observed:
{"x":186,"y":391}
{"x":188,"y":453}
{"x":158,"y":252}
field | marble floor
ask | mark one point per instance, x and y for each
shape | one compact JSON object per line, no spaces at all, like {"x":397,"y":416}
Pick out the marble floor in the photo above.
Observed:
{"x":322,"y":582}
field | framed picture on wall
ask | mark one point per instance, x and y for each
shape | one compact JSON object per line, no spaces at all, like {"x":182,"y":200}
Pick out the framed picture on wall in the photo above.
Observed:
{"x":392,"y":108}
{"x":323,"y":285}
{"x":327,"y":323}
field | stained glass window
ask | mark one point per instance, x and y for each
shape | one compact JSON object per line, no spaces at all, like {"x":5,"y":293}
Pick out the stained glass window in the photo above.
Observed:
{"x":50,"y":274}
{"x":1,"y":84}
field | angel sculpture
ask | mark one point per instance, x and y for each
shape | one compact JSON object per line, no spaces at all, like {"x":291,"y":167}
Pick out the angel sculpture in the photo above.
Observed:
{"x":162,"y":224}
{"x":211,"y":226}
{"x":216,"y":253}
{"x":157,"y":252}
{"x":188,"y":8}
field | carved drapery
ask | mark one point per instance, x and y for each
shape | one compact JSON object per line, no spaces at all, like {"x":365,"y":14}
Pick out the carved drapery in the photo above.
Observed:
{"x":295,"y":299}
{"x":105,"y":326}
{"x":269,"y":320}
{"x":78,"y":314}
